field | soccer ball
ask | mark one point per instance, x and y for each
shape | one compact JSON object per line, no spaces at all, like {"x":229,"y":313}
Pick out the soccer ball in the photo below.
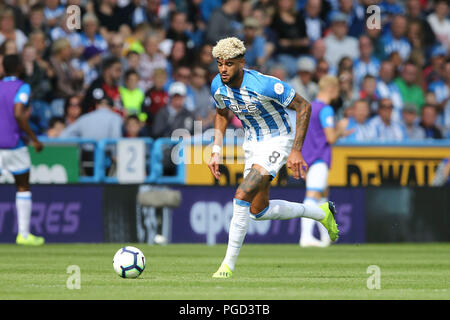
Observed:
{"x":129,"y":262}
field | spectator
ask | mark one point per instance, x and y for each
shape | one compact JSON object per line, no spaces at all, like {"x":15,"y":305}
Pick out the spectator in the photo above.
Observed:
{"x":206,"y":60}
{"x":223,"y":22}
{"x":368,"y":92}
{"x":395,"y":39}
{"x":433,"y":71}
{"x":132,"y":126}
{"x":314,"y":24}
{"x":156,"y":96}
{"x":90,"y":35}
{"x":92,"y":125}
{"x":8,"y":30}
{"x":204,"y":106}
{"x":56,"y":125}
{"x":89,"y":65}
{"x":318,"y":50}
{"x":357,"y":122}
{"x":441,"y":87}
{"x":67,"y":80}
{"x":133,"y":60}
{"x":428,"y":122}
{"x":72,"y":110}
{"x":440,"y":23}
{"x":338,"y":43}
{"x":183,"y":74}
{"x":255,"y":54}
{"x":195,"y":21}
{"x":386,"y":87}
{"x":414,"y":11}
{"x":62,"y":31}
{"x":356,"y":16}
{"x":416,"y":39}
{"x":178,"y":30}
{"x":40,"y":85}
{"x":111,"y":16}
{"x":413,"y":130}
{"x":136,"y":41}
{"x":150,"y":60}
{"x":36,"y":21}
{"x":382,"y":127}
{"x":291,"y":31}
{"x":8,"y":47}
{"x":174,"y":115}
{"x":178,"y":56}
{"x":348,"y":93}
{"x":303,"y":82}
{"x":265,"y":31}
{"x":367,"y":63}
{"x":132,"y":97}
{"x":407,"y":85}
{"x":321,"y":70}
{"x":107,"y":85}
{"x":53,"y":10}
{"x":443,"y":120}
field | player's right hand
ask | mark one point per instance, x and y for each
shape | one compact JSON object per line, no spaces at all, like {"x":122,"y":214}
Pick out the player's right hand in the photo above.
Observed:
{"x":38,"y":146}
{"x":214,"y":165}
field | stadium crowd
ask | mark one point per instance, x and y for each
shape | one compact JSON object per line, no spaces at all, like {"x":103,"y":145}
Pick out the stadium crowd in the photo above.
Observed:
{"x":143,"y":67}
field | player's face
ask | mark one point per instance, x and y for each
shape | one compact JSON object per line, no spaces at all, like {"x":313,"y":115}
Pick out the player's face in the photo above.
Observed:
{"x":230,"y":70}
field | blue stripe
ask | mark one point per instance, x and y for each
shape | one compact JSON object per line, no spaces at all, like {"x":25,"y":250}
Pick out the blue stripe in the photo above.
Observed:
{"x":283,"y":114}
{"x":23,"y":197}
{"x":242,"y":202}
{"x":268,"y":119}
{"x":255,"y":125}
{"x":314,"y":189}
{"x":15,"y":173}
{"x":259,"y":215}
{"x":238,"y":97}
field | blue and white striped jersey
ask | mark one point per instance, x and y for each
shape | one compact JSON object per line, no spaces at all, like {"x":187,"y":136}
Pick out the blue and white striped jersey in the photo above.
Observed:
{"x":259,"y":103}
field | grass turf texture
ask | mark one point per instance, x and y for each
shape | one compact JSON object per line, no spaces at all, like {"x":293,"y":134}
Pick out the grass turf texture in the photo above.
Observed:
{"x":408,"y":271}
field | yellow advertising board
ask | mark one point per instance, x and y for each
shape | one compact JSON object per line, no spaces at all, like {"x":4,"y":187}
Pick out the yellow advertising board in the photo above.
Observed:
{"x":351,"y":165}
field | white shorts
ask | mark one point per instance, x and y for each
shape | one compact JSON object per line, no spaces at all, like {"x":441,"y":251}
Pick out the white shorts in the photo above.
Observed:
{"x":16,"y":161}
{"x":271,"y":153}
{"x":317,"y":177}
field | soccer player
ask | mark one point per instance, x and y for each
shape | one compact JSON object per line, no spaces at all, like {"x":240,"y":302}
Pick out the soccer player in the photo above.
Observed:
{"x":322,"y":133}
{"x":14,"y":156}
{"x":259,"y":102}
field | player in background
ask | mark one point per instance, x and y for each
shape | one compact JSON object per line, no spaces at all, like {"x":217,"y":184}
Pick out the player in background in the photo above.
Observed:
{"x":322,"y":133}
{"x":260,"y":102}
{"x":14,"y":156}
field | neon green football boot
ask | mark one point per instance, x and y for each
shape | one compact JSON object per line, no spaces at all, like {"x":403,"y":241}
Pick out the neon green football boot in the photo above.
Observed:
{"x":223,"y":272}
{"x":31,"y":240}
{"x":329,"y":221}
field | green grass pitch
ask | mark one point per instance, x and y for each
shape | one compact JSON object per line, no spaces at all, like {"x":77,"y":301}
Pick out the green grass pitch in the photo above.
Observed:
{"x":407,"y":271}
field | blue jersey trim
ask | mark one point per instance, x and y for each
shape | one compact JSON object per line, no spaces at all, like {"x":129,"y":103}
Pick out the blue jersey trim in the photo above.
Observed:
{"x":242,"y":202}
{"x":16,"y":173}
{"x":259,"y":215}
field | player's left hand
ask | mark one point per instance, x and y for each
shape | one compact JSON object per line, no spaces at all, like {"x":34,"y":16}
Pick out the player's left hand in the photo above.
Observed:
{"x":38,"y":146}
{"x":297,"y":164}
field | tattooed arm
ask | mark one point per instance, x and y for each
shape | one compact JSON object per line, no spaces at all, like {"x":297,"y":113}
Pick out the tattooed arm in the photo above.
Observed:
{"x":295,"y":160}
{"x":303,"y":109}
{"x":220,"y":125}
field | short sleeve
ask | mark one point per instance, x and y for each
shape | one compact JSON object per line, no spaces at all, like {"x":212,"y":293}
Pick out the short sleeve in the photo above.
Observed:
{"x":215,"y":85}
{"x":278,"y":90}
{"x":23,"y":94}
{"x":326,"y":117}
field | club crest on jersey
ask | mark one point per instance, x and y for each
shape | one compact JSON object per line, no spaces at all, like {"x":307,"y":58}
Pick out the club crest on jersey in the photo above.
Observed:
{"x":278,"y":88}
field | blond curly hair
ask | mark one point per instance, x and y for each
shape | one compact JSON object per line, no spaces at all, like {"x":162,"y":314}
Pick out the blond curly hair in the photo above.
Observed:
{"x":228,"y":48}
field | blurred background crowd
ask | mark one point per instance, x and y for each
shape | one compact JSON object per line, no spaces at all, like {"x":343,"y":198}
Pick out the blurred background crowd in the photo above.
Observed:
{"x":143,"y":67}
